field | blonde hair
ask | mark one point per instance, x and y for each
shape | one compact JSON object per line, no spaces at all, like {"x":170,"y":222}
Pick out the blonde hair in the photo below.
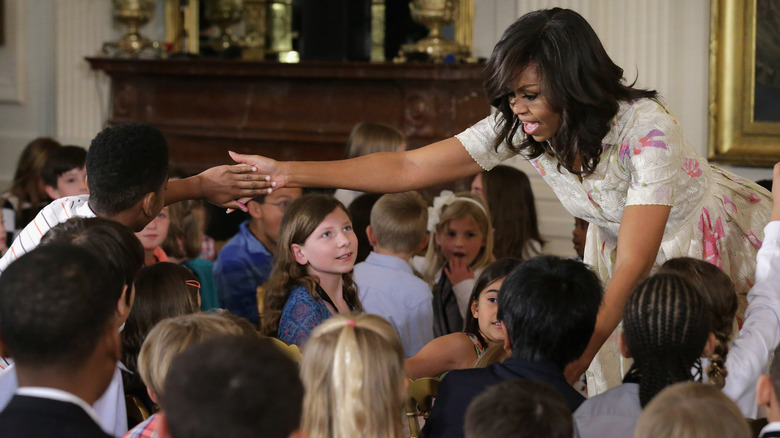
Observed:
{"x":352,"y":370}
{"x":302,"y":217}
{"x":399,"y":221}
{"x":368,"y":138}
{"x":172,"y":336}
{"x":460,"y":209}
{"x":691,"y":410}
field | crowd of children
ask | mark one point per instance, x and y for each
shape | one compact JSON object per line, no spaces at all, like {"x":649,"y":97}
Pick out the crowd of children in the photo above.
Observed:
{"x":111,"y":307}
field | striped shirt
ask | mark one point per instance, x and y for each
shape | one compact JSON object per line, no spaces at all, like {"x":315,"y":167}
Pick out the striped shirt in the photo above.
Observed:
{"x":57,"y":212}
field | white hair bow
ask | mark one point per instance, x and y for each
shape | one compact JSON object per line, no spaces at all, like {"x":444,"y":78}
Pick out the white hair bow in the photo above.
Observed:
{"x":445,"y":198}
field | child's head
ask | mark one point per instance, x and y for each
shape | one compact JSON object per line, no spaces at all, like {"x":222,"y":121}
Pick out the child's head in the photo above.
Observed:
{"x":162,"y":290}
{"x":186,"y":230}
{"x":27,"y":184}
{"x":538,"y":327}
{"x":111,"y":241}
{"x":398,"y":223}
{"x":127,"y":167}
{"x":666,"y":324}
{"x":154,"y":233}
{"x":316,"y":243}
{"x":354,"y":377}
{"x":64,"y":172}
{"x":718,"y":291}
{"x":768,"y":389}
{"x":578,"y":235}
{"x":233,"y":386}
{"x":169,"y":337}
{"x":266,"y":213}
{"x":483,"y":304}
{"x":368,"y":138}
{"x":58,"y":313}
{"x":521,"y":408}
{"x":691,"y":410}
{"x":507,"y":192}
{"x":460,"y":227}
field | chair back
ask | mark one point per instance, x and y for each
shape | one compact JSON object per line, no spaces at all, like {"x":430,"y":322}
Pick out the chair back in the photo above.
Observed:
{"x":291,"y":350}
{"x":136,"y":411}
{"x":421,"y":393}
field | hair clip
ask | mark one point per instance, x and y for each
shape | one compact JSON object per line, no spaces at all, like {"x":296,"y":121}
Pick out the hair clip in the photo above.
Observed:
{"x":192,"y":283}
{"x":443,"y":200}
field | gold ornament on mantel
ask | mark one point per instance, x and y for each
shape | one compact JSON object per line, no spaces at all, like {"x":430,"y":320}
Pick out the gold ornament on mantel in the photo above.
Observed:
{"x":133,"y":14}
{"x":434,"y":14}
{"x":224,"y":13}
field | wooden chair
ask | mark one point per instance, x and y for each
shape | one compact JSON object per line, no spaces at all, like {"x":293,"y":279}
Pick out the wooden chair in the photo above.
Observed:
{"x":421,"y":393}
{"x":136,"y":411}
{"x":291,"y":350}
{"x":260,"y":301}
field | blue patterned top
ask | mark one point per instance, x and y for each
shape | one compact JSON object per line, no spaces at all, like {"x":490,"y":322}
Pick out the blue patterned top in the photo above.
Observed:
{"x":301,"y":313}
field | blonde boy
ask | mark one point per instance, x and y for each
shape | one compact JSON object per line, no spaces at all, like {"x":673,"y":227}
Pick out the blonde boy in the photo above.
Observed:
{"x":387,"y":284}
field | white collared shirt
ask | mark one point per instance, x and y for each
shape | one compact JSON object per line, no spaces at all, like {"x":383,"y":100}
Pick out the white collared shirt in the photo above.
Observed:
{"x":59,"y":395}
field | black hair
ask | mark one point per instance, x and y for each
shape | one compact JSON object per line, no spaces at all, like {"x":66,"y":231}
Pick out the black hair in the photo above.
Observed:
{"x":578,"y":79}
{"x":124,"y":163}
{"x":522,"y":407}
{"x":665,"y":325}
{"x":61,"y":160}
{"x":111,"y":241}
{"x":530,"y":303}
{"x":495,"y":271}
{"x":55,"y":304}
{"x":236,"y":386}
{"x":360,"y":212}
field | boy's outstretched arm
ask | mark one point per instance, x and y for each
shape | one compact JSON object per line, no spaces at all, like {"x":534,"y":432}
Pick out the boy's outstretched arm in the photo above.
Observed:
{"x":228,"y":186}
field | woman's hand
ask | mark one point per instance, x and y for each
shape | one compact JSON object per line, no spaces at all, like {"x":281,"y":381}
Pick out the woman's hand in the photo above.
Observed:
{"x":263,"y":166}
{"x":226,"y":186}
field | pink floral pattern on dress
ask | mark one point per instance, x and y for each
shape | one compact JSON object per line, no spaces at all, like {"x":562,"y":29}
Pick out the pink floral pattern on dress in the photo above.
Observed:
{"x":625,"y":151}
{"x":754,"y":240}
{"x":711,"y":235}
{"x":691,"y":167}
{"x":730,"y":206}
{"x":540,"y":167}
{"x":753,"y":199}
{"x":649,"y":142}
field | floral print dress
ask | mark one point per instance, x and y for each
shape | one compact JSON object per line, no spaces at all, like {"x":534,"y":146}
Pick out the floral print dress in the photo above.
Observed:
{"x":715,"y":215}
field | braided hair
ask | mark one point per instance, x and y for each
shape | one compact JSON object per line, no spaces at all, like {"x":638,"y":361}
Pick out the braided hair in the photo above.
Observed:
{"x":666,"y":325}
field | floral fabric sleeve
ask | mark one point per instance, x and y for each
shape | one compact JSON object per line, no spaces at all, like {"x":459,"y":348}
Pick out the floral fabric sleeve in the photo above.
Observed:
{"x":652,"y":153}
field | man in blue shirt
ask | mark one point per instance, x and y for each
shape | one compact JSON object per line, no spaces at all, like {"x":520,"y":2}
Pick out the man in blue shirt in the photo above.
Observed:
{"x":245,"y":262}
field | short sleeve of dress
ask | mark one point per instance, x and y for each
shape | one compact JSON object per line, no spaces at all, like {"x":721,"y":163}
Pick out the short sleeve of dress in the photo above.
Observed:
{"x":652,"y":152}
{"x":479,"y":139}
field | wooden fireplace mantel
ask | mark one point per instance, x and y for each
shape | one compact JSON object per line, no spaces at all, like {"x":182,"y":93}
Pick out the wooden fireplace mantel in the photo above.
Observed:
{"x":288,"y":111}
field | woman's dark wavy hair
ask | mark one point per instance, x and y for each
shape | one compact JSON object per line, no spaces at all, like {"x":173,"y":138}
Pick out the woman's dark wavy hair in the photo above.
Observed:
{"x":666,"y":324}
{"x":578,"y":79}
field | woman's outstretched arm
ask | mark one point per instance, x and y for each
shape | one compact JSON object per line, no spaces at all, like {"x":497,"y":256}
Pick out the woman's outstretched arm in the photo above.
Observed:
{"x":384,"y":172}
{"x":639,"y":239}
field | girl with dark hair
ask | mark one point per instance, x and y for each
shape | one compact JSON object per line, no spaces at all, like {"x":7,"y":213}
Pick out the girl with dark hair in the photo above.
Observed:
{"x":507,"y":191}
{"x":481,"y":336}
{"x":667,"y":328}
{"x":612,"y":153}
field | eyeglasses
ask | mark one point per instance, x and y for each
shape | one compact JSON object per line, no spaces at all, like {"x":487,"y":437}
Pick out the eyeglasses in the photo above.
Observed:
{"x":283,"y":204}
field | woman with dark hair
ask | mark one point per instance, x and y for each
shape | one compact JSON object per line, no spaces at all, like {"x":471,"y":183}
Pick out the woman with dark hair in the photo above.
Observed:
{"x":507,"y":191}
{"x":612,"y":153}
